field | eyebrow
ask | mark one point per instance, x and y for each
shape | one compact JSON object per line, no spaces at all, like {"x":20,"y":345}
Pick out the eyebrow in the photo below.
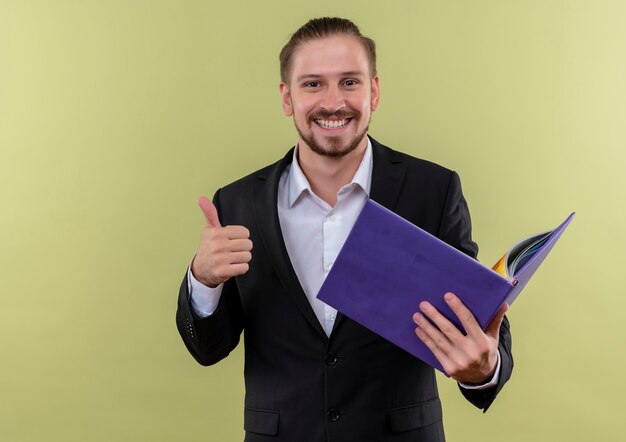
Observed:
{"x":342,"y":74}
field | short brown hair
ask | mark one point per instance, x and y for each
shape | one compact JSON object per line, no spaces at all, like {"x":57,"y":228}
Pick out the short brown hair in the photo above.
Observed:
{"x":319,"y":28}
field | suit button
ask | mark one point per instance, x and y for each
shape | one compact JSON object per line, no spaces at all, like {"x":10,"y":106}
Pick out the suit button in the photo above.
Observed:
{"x":333,"y":415}
{"x":331,"y":359}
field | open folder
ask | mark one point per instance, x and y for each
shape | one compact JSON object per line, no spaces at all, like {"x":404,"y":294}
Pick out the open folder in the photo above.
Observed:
{"x":387,"y":266}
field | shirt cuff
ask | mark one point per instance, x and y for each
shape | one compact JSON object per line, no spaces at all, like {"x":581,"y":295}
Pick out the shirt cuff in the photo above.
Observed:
{"x":203,"y":299}
{"x":492,"y":383}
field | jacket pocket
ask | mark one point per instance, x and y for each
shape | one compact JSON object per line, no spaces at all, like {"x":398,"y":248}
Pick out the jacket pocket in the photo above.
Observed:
{"x":261,"y":421}
{"x":415,"y":416}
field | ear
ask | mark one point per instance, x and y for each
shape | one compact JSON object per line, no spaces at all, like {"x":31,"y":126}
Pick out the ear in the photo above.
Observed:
{"x":286,"y":99}
{"x":375,"y":93}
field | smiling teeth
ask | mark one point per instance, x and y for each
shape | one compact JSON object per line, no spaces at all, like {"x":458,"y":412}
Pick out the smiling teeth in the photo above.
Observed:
{"x":332,"y":124}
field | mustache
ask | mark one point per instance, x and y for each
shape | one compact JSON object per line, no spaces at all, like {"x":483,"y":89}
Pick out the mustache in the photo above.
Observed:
{"x":339,"y":114}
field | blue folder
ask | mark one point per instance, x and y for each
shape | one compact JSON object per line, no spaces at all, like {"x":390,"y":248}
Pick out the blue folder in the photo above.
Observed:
{"x":387,"y":266}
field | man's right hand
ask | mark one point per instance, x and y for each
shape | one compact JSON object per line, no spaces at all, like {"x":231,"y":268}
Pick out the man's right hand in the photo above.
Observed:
{"x":224,"y":252}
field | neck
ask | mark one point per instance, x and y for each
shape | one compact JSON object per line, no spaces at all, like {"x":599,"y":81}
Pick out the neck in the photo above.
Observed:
{"x":327,"y":175}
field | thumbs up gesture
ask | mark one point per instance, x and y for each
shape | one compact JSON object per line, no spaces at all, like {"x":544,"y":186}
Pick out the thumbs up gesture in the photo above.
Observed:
{"x":224,"y":252}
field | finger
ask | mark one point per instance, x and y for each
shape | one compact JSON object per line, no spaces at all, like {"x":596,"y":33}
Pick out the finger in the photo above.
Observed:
{"x":446,"y":327}
{"x":236,"y":232}
{"x":493,"y":329}
{"x":439,"y":340}
{"x":209,"y":211}
{"x":240,"y":257}
{"x":432,"y":346}
{"x":471,"y":326}
{"x":239,"y":245}
{"x":238,"y":269}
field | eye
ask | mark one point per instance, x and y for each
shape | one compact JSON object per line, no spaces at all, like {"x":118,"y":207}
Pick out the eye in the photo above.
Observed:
{"x":350,"y":83}
{"x":312,"y":84}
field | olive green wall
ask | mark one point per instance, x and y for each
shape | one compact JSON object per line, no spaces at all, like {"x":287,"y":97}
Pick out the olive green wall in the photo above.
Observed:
{"x":116,"y":115}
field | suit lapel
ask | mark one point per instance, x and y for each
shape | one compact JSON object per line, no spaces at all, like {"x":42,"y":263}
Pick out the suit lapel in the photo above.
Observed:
{"x":265,"y":202}
{"x":387,"y":180}
{"x":387,"y":176}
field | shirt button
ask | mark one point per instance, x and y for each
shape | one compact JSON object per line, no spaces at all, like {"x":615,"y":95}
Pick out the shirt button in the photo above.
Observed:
{"x":332,"y":218}
{"x":331,"y":359}
{"x":333,"y":415}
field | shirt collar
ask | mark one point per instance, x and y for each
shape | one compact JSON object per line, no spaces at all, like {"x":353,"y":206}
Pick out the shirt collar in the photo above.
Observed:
{"x":298,"y":183}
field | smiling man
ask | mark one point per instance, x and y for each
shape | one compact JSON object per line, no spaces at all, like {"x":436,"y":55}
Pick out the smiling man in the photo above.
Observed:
{"x":331,"y":93}
{"x":271,"y":238}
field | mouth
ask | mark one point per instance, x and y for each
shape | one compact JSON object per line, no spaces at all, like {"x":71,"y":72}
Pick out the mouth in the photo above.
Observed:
{"x":333,"y":124}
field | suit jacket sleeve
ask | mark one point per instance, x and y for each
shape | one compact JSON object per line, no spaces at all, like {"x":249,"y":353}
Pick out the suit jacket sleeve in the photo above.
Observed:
{"x":456,"y":230}
{"x":210,"y":339}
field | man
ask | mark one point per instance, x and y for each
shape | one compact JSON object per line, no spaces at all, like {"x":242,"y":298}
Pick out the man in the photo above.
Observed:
{"x":310,"y":373}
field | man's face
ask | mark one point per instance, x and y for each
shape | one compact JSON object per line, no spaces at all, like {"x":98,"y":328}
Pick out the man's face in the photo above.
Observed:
{"x":331,"y":95}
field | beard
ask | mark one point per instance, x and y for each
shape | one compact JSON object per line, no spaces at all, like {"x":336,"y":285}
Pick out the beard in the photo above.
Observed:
{"x":335,"y":148}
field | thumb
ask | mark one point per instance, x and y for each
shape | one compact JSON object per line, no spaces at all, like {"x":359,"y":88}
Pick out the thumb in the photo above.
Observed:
{"x":209,"y":211}
{"x":493,"y":329}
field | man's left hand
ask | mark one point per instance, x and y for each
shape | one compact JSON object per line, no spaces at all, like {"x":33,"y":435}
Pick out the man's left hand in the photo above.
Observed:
{"x":469,"y":358}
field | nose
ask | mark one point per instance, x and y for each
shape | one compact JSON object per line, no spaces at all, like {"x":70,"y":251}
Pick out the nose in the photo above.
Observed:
{"x":333,"y":99}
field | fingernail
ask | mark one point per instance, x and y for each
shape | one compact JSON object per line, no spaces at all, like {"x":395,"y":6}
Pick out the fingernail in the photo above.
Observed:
{"x":448,"y":297}
{"x":424,"y":306}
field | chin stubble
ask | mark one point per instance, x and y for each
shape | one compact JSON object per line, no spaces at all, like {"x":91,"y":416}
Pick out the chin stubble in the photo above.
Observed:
{"x":336,"y":150}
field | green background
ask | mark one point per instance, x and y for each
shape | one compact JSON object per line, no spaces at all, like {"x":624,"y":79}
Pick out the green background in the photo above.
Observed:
{"x":116,"y":115}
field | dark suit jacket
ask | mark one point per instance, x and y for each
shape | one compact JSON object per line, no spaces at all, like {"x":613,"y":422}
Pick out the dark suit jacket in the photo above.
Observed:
{"x":300,"y":384}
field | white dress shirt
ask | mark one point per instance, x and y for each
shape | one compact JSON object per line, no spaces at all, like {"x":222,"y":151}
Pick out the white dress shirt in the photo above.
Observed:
{"x":314,"y":233}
